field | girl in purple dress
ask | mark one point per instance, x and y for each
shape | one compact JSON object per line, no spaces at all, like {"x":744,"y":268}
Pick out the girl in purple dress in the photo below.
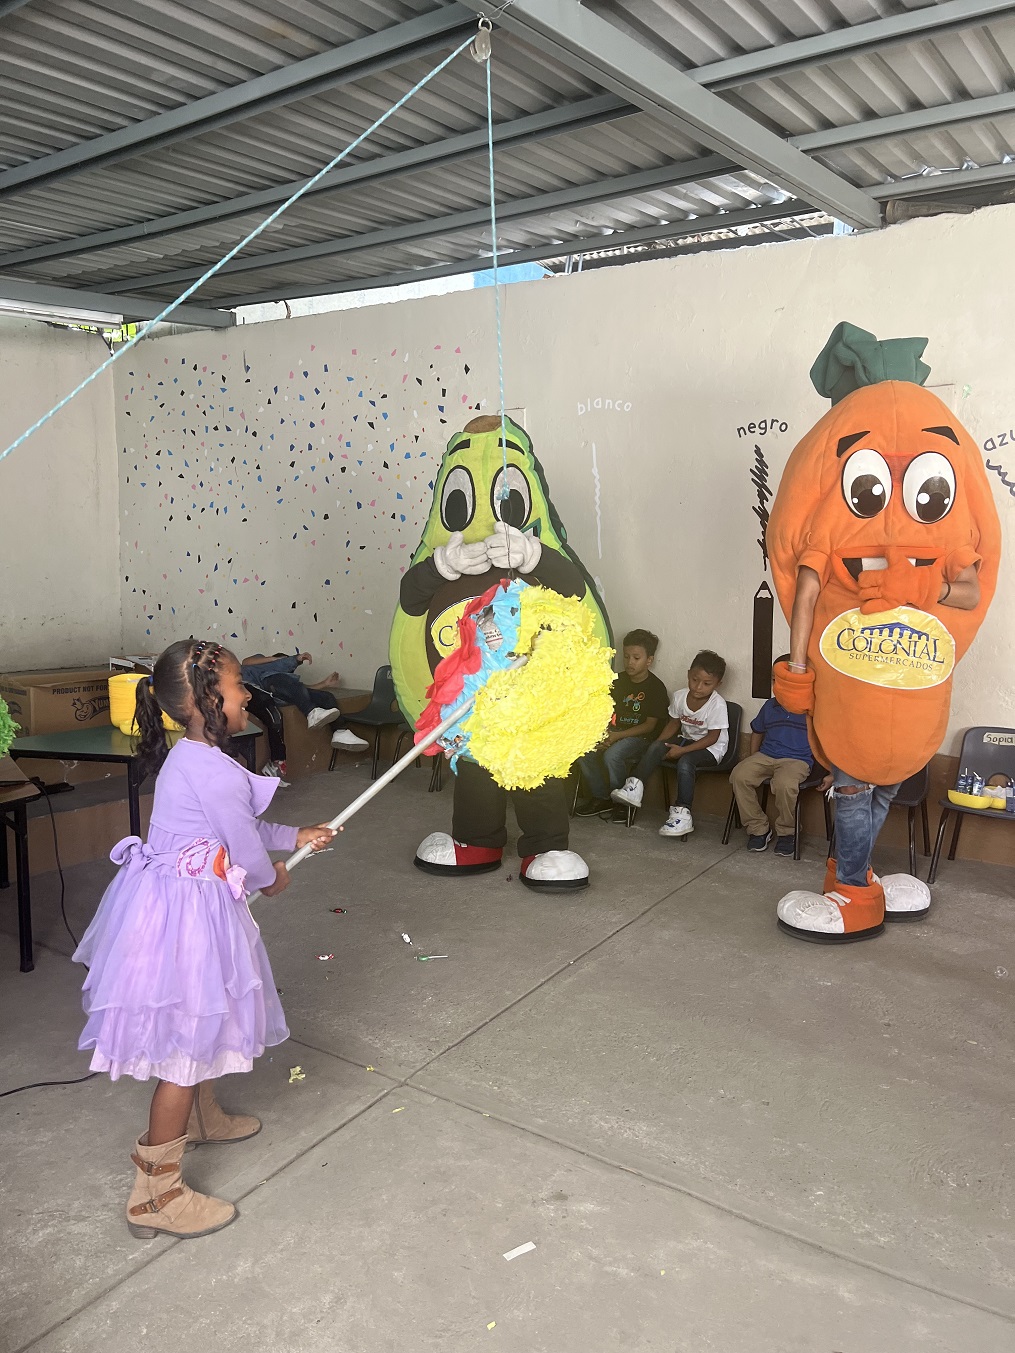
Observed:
{"x":179,"y":985}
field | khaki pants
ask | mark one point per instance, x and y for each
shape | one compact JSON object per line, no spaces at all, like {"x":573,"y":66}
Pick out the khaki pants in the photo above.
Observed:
{"x":786,"y":774}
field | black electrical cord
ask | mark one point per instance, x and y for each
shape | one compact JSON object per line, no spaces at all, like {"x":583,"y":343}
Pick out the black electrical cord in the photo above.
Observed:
{"x":39,"y":1085}
{"x":56,"y":854}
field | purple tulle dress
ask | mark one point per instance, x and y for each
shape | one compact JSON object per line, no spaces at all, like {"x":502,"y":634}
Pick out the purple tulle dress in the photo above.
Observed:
{"x":179,"y":985}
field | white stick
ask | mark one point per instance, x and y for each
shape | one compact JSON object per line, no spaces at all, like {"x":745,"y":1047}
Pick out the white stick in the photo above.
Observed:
{"x":454,"y":717}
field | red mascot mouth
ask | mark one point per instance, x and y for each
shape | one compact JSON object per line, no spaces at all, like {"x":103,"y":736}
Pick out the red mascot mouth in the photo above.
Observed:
{"x":870,"y":563}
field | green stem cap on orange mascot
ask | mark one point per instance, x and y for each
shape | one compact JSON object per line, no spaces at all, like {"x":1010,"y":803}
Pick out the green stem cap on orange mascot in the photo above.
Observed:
{"x":853,"y":358}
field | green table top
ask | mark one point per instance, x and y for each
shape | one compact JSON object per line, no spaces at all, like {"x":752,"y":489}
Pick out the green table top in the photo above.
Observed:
{"x":100,"y":742}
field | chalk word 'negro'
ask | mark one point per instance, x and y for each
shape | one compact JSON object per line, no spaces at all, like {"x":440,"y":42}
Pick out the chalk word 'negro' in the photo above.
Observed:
{"x":762,"y":426}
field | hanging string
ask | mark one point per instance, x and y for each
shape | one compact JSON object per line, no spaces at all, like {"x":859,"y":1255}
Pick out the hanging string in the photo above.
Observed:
{"x":505,"y":491}
{"x":206,"y":276}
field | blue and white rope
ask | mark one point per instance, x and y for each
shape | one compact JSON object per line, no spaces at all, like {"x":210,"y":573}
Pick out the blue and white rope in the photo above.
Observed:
{"x":195,"y":286}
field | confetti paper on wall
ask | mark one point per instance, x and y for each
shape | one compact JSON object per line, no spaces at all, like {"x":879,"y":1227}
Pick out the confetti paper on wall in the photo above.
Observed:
{"x":277,"y":500}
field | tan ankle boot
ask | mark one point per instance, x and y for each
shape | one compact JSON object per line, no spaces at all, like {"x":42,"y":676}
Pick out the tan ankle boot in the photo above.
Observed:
{"x":160,"y":1203}
{"x":210,"y":1123}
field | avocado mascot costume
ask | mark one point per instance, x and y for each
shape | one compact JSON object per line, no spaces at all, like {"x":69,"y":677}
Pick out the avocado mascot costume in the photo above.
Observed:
{"x":885,"y":544}
{"x":476,"y":536}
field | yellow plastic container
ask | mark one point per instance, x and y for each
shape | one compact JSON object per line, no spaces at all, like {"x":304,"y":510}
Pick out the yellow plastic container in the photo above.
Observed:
{"x":122,"y":698}
{"x":977,"y":801}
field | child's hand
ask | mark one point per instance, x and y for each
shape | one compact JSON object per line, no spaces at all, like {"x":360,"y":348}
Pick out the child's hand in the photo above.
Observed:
{"x":304,"y":657}
{"x":281,"y":881}
{"x":673,"y":753}
{"x":317,"y":838}
{"x":826,"y":784}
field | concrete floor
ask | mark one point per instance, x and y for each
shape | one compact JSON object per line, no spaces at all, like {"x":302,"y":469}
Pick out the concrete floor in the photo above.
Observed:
{"x":717,"y":1138}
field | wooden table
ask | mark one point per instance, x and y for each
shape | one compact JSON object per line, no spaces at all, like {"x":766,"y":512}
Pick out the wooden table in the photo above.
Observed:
{"x":103,"y":742}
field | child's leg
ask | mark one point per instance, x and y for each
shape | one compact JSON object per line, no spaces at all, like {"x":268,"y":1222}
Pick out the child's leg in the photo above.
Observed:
{"x":746,"y":779}
{"x":594,"y":774}
{"x":619,"y":759}
{"x":651,"y":759}
{"x":787,"y":776}
{"x":686,"y":771}
{"x":170,"y":1112}
{"x":262,"y":706}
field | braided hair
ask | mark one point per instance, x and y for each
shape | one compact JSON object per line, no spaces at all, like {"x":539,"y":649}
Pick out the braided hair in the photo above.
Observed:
{"x":185,"y":679}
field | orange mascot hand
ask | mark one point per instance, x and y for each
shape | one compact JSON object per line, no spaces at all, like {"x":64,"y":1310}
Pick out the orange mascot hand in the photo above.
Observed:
{"x":793,"y":690}
{"x":900,"y":584}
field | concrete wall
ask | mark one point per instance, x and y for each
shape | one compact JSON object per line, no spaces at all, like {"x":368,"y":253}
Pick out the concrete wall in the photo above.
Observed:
{"x":275,"y":480}
{"x":59,"y":528}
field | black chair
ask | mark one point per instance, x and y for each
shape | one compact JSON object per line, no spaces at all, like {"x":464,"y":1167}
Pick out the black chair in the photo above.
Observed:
{"x":436,"y":775}
{"x":813,"y":781}
{"x":723,"y":767}
{"x":382,"y":712}
{"x":988,"y":752}
{"x":911,"y":796}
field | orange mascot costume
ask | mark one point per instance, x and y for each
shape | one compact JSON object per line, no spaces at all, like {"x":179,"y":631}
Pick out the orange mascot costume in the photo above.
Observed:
{"x":884,"y":543}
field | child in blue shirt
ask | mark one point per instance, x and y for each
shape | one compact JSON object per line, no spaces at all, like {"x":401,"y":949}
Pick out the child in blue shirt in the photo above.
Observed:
{"x":780,"y":753}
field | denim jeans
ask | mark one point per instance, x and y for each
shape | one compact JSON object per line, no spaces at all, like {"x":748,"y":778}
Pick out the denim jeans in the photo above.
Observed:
{"x":858,"y":821}
{"x":290,"y":690}
{"x":686,"y":767}
{"x":609,"y":768}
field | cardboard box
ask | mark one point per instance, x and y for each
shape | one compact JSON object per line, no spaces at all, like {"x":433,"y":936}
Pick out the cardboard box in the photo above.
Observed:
{"x":55,"y":702}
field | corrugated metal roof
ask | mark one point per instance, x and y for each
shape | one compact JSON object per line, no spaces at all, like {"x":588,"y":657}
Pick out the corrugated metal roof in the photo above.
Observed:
{"x":73,"y":72}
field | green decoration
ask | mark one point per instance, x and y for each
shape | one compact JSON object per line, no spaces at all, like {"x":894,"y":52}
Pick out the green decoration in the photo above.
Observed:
{"x":8,"y":728}
{"x":853,"y":358}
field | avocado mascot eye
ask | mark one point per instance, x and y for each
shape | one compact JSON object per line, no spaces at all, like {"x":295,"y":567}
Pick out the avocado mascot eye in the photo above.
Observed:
{"x":866,"y":483}
{"x":928,"y":487}
{"x":514,"y":507}
{"x":458,"y":499}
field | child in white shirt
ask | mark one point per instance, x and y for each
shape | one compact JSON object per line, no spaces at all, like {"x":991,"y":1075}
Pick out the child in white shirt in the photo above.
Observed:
{"x":697,"y":734}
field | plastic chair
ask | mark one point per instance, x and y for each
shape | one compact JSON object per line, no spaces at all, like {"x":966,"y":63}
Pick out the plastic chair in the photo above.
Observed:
{"x":988,"y":751}
{"x":816,"y":775}
{"x":382,"y":712}
{"x":436,"y":775}
{"x":723,"y":767}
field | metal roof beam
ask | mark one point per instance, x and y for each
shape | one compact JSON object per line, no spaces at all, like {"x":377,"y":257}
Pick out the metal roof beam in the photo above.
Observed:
{"x":9,"y":6}
{"x":536,"y":126}
{"x":857,"y":40}
{"x":600,"y":190}
{"x":299,"y":80}
{"x":591,"y":45}
{"x":551,"y":249}
{"x":902,"y":124}
{"x":131,"y":307}
{"x":933,"y":185}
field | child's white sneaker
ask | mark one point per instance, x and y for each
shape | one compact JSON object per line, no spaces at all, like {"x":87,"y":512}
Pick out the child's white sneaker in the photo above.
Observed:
{"x":630,"y":792}
{"x":678,"y":823}
{"x":318,"y":716}
{"x":347,"y":739}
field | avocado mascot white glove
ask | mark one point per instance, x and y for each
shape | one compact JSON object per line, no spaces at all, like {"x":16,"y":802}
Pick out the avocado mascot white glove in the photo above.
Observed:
{"x":509,"y":548}
{"x":455,"y":558}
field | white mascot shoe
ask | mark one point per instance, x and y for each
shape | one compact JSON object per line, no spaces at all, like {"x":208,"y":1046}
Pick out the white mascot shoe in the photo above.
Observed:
{"x":555,"y":871}
{"x":906,"y":898}
{"x":441,"y":854}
